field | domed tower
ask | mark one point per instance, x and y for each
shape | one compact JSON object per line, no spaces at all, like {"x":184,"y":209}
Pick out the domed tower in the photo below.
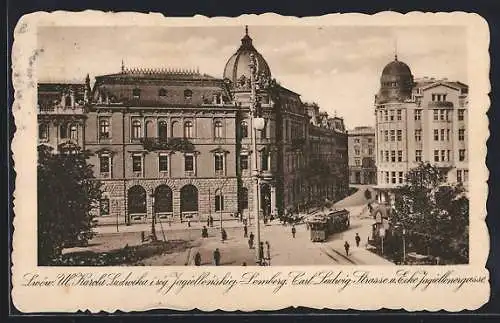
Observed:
{"x":237,"y":69}
{"x":396,"y":83}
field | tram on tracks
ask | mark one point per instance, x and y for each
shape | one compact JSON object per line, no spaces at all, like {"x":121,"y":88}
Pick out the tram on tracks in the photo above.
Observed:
{"x":322,"y":225}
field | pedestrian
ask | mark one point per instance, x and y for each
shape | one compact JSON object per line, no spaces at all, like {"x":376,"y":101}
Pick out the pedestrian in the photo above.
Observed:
{"x":268,"y":253}
{"x":208,"y":221}
{"x":261,"y":254}
{"x":204,"y":232}
{"x":189,"y":223}
{"x":197,"y":259}
{"x":250,"y":241}
{"x":216,"y":256}
{"x":245,"y":231}
{"x":358,"y":239}
{"x":211,"y":221}
{"x":293,"y":231}
{"x":224,"y":235}
{"x":346,"y":247}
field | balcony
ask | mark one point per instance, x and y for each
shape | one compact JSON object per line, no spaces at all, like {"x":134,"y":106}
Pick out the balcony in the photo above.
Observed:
{"x":171,"y":144}
{"x":440,"y":104}
{"x":43,"y":109}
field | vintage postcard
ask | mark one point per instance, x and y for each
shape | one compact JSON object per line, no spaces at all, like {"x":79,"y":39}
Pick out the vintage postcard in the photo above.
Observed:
{"x":250,"y":163}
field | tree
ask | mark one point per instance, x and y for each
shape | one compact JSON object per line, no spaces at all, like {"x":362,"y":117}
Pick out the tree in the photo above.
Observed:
{"x":67,"y":193}
{"x":433,"y":212}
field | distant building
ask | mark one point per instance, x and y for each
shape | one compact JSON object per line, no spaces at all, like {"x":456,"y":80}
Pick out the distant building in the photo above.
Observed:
{"x":362,"y":169}
{"x":176,"y":143}
{"x":419,"y":120}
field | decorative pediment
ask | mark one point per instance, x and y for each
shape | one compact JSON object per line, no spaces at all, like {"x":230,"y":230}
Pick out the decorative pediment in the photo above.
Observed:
{"x":219,"y":150}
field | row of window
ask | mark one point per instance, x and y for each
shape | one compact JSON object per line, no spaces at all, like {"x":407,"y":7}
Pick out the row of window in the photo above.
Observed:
{"x":137,"y":131}
{"x":439,"y":134}
{"x":105,"y":162}
{"x":136,"y":93}
{"x":357,"y":141}
{"x":66,"y":131}
{"x":439,"y":155}
{"x":357,"y":151}
{"x":393,"y":177}
{"x":438,"y":115}
{"x":462,"y":175}
{"x":392,"y":135}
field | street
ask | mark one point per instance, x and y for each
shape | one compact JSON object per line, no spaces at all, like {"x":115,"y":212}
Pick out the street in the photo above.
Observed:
{"x":284,"y":249}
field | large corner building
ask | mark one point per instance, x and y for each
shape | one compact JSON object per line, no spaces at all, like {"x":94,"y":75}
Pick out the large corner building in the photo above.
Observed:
{"x":419,"y":120}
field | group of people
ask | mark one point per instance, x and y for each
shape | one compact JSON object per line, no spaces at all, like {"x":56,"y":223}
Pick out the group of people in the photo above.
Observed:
{"x":216,"y":258}
{"x":347,"y":246}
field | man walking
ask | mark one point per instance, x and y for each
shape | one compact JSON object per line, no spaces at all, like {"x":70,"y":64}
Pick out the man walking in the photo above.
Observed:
{"x":216,"y":256}
{"x":245,"y":231}
{"x":293,"y":231}
{"x":250,"y":241}
{"x":346,"y":247}
{"x":197,"y":259}
{"x":358,"y":240}
{"x":268,"y":253}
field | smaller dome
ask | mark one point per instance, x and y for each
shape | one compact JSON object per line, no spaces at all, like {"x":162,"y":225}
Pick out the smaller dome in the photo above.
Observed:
{"x":237,"y":69}
{"x":396,"y":82}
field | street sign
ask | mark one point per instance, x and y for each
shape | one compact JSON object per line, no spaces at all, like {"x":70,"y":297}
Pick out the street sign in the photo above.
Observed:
{"x":382,"y":232}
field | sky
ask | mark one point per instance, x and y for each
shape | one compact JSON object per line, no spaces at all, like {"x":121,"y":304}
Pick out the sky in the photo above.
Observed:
{"x":338,"y":67}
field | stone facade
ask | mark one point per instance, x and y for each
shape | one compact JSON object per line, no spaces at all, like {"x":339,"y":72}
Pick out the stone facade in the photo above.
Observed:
{"x":361,"y":145}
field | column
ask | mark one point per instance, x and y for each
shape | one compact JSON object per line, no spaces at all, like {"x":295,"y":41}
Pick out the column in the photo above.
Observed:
{"x":176,"y":204}
{"x":274,"y":211}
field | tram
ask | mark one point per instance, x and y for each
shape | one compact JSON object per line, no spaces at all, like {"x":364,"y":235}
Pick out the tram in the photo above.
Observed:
{"x":323,"y":225}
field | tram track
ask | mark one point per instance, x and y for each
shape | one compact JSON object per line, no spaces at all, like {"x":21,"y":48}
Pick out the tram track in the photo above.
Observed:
{"x":327,"y":250}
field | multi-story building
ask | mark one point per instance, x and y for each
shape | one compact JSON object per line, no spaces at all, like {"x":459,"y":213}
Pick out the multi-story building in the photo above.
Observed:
{"x":361,"y":143}
{"x":419,"y":120}
{"x":177,"y":143}
{"x":61,"y":114}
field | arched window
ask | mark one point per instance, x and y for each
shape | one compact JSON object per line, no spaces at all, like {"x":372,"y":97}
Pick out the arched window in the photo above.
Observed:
{"x":73,"y":132}
{"x":136,"y":200}
{"x":163,"y":199}
{"x":67,"y":101}
{"x":43,"y":131}
{"x":219,"y":201}
{"x":244,"y":129}
{"x":162,"y":129}
{"x":188,"y":94}
{"x":104,"y":128}
{"x":136,"y":129}
{"x":189,"y":198}
{"x":218,"y":129}
{"x":188,"y":129}
{"x":63,"y":131}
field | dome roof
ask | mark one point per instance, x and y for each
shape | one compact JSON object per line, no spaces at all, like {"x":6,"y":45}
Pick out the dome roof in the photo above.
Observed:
{"x":396,"y":82}
{"x":237,"y":68}
{"x":396,"y":68}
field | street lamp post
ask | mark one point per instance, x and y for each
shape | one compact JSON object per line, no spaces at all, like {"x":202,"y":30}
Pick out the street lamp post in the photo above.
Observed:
{"x":257,"y":124}
{"x":404,"y":246}
{"x":153,"y":224}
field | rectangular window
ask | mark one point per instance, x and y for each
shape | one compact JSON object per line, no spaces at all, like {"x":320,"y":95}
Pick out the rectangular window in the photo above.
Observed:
{"x":400,"y":155}
{"x":447,"y":115}
{"x":370,"y":151}
{"x":244,"y":162}
{"x":264,"y":165}
{"x":418,"y":135}
{"x":163,"y":162}
{"x":387,"y":177}
{"x":433,"y":97}
{"x":393,"y":177}
{"x":447,"y":134}
{"x":387,"y":155}
{"x":461,"y":154}
{"x":418,"y":155}
{"x":386,"y":135}
{"x":418,"y":114}
{"x":391,"y":115}
{"x":385,"y":115}
{"x":393,"y":156}
{"x":436,"y":155}
{"x":137,"y":163}
{"x":436,"y":115}
{"x":188,"y":163}
{"x":400,"y":177}
{"x":466,"y":175}
{"x":104,"y":164}
{"x":461,"y":134}
{"x":443,"y":155}
{"x":356,"y":140}
{"x":459,"y":176}
{"x":441,"y":115}
{"x":436,"y":134}
{"x":43,"y":131}
{"x":219,"y":162}
{"x":104,"y":128}
{"x":447,"y":155}
{"x":357,"y":162}
{"x":104,"y":206}
{"x":461,"y":114}
{"x":393,"y":135}
{"x":381,"y":155}
{"x":398,"y":114}
{"x":442,"y":134}
{"x":400,"y":135}
{"x":219,"y":203}
{"x":356,"y":151}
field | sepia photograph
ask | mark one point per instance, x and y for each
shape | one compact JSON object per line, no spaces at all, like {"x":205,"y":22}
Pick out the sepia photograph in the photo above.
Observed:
{"x":252,"y":145}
